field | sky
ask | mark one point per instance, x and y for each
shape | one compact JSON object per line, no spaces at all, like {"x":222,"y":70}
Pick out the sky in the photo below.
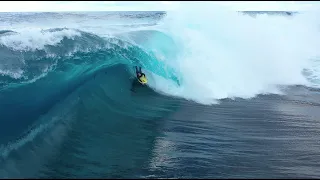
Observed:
{"x":54,"y":6}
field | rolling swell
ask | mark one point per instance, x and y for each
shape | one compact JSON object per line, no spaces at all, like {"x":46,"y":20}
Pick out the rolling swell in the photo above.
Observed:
{"x":36,"y":75}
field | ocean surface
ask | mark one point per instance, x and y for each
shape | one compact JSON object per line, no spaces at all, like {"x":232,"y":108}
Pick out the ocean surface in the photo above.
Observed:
{"x":230,"y":94}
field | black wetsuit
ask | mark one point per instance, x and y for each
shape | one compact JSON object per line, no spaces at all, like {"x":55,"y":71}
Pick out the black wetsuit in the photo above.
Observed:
{"x":139,"y":73}
{"x":135,"y":82}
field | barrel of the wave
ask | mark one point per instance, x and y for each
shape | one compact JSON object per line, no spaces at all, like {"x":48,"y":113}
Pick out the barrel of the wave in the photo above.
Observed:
{"x":155,"y":53}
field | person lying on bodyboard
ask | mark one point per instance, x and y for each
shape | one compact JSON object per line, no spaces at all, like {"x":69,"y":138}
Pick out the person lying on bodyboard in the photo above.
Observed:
{"x":142,"y":79}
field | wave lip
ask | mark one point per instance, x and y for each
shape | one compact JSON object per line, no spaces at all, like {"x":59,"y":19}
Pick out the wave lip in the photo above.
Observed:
{"x":28,"y":56}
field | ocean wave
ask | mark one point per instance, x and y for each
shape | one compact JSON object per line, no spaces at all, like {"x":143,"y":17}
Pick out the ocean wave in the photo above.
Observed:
{"x":192,"y":53}
{"x":41,"y":67}
{"x":30,"y":55}
{"x":185,"y":55}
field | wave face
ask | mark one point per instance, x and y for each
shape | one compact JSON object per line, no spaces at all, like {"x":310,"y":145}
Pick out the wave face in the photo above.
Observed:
{"x":49,"y":60}
{"x":40,"y":72}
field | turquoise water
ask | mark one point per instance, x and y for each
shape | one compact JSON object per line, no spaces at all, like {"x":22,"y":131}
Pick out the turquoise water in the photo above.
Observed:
{"x":70,"y":107}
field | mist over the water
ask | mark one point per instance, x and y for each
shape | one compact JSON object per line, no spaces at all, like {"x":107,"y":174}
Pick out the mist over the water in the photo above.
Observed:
{"x":226,"y":54}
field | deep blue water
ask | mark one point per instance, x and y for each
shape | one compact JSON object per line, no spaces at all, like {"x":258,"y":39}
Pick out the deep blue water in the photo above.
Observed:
{"x":67,"y":111}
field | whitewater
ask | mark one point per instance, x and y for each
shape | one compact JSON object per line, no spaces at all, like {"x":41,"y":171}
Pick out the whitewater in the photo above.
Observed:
{"x":65,"y":92}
